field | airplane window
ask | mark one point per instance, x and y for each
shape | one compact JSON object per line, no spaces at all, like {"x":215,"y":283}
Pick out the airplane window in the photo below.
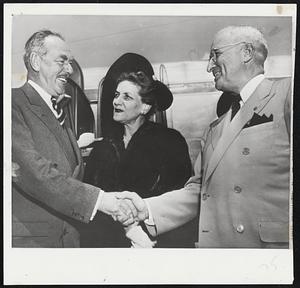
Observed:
{"x":190,"y":114}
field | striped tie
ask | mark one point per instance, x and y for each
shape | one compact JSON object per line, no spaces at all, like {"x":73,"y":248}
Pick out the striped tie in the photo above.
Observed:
{"x":61,"y":115}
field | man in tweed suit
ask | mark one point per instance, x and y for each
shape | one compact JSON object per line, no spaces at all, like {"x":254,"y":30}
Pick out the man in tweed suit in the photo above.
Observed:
{"x":48,"y":199}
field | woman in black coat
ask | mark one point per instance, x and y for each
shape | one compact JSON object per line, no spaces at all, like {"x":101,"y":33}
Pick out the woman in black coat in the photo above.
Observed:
{"x":141,"y":156}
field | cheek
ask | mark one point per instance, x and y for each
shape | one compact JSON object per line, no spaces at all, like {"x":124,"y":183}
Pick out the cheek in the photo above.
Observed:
{"x":133,"y":110}
{"x":49,"y":73}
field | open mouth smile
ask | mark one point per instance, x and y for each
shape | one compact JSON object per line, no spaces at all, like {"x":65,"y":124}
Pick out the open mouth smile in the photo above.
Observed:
{"x":217,"y":74}
{"x":63,"y":79}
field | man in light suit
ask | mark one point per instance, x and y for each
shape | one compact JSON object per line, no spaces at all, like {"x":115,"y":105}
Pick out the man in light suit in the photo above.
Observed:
{"x":48,"y":199}
{"x":242,"y":175}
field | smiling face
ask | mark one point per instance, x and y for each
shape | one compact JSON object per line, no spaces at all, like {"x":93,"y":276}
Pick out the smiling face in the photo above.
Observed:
{"x":54,"y":67}
{"x":128,"y":105}
{"x":226,"y":62}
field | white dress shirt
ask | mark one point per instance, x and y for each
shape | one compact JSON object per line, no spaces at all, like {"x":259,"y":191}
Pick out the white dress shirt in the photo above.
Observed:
{"x":249,"y":88}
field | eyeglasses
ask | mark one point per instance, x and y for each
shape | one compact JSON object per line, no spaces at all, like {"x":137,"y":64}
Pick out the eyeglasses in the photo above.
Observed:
{"x":215,"y":52}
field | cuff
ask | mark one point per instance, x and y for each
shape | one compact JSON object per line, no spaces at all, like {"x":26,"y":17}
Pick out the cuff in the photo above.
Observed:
{"x":100,"y":195}
{"x":149,"y":223}
{"x":150,"y":220}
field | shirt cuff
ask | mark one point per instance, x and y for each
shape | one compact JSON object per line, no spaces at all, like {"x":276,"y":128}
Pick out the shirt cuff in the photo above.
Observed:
{"x":150,"y":220}
{"x":149,"y":223}
{"x":100,"y":195}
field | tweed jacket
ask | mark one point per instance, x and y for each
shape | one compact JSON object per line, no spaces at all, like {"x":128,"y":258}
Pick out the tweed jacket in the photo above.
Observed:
{"x":48,"y":199}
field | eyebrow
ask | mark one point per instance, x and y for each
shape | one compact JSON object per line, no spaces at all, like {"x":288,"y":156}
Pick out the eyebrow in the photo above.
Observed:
{"x":127,"y":94}
{"x":65,"y":57}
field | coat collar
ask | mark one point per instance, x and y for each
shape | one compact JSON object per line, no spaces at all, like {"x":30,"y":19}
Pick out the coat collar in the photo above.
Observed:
{"x":255,"y":103}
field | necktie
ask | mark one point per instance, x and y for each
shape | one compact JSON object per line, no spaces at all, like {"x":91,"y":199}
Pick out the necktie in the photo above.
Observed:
{"x":235,"y":107}
{"x":61,"y":115}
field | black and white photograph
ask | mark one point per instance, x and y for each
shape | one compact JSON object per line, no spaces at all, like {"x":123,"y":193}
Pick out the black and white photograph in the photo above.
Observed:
{"x":148,"y":143}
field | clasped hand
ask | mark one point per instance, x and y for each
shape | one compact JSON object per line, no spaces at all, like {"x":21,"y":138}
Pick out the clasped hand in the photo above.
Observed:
{"x":125,"y":207}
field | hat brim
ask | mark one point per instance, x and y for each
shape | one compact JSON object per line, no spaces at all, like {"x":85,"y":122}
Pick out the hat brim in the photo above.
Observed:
{"x":164,"y":97}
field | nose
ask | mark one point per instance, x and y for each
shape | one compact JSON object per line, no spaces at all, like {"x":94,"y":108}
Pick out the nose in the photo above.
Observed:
{"x":210,"y":65}
{"x":116,"y":101}
{"x":69,"y":68}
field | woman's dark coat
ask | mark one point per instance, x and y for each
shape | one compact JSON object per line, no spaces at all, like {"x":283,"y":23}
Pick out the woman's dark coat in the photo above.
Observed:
{"x":155,"y":161}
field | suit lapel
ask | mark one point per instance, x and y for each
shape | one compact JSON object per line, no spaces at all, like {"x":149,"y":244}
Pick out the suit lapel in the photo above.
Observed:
{"x":216,"y":129}
{"x":41,"y":109}
{"x":255,"y":103}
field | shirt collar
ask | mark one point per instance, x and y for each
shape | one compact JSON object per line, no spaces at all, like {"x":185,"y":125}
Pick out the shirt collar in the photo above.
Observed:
{"x":251,"y":85}
{"x":45,"y":95}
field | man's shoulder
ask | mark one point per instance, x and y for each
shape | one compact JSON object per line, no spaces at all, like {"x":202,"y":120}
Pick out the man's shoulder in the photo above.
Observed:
{"x":23,"y":95}
{"x":18,"y":95}
{"x":282,"y":83}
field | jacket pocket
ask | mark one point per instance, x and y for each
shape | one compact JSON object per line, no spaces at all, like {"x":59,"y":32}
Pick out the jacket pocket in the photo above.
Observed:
{"x":273,"y":231}
{"x":27,"y":229}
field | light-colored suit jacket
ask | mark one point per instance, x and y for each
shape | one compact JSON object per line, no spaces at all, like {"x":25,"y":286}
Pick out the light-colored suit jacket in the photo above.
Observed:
{"x":48,"y":199}
{"x":243,"y":174}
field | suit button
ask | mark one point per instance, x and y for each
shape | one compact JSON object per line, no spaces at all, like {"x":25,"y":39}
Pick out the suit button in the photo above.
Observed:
{"x":205,"y":196}
{"x":246,"y":151}
{"x":240,"y":228}
{"x":237,"y":189}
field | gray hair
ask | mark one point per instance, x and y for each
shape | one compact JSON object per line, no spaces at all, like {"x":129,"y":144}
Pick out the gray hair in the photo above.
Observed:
{"x":36,"y":43}
{"x":250,"y":35}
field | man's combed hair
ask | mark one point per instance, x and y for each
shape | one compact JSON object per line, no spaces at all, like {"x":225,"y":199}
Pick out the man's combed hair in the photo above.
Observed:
{"x":36,"y":44}
{"x":250,"y":35}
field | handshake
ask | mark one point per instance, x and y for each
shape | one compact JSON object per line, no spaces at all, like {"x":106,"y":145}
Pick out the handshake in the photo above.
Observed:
{"x":125,"y":207}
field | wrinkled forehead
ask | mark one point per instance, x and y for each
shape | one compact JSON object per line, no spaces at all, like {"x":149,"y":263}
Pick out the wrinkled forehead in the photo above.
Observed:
{"x":54,"y":44}
{"x":224,"y":38}
{"x":128,"y":85}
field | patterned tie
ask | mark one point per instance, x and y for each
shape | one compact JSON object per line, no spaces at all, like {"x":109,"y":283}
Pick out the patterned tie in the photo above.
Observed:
{"x":61,"y":115}
{"x":235,"y":107}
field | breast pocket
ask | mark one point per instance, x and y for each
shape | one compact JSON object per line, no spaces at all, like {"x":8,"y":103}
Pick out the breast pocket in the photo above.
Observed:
{"x":30,"y":234}
{"x":27,"y":229}
{"x":265,"y":127}
{"x":272,"y":233}
{"x":261,"y":138}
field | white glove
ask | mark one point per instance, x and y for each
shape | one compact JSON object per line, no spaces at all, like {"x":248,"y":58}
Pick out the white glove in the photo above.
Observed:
{"x":139,"y":239}
{"x":85,"y":139}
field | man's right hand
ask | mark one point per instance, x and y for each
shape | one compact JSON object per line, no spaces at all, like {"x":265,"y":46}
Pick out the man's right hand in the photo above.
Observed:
{"x":138,"y":202}
{"x":121,"y":210}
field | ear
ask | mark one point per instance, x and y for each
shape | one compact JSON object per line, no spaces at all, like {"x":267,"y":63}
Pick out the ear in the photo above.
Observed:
{"x":248,"y":52}
{"x":145,"y":108}
{"x":35,"y":61}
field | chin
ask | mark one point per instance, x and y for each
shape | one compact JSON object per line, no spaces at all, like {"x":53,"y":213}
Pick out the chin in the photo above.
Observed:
{"x":218,"y":85}
{"x":60,"y":91}
{"x":116,"y":119}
